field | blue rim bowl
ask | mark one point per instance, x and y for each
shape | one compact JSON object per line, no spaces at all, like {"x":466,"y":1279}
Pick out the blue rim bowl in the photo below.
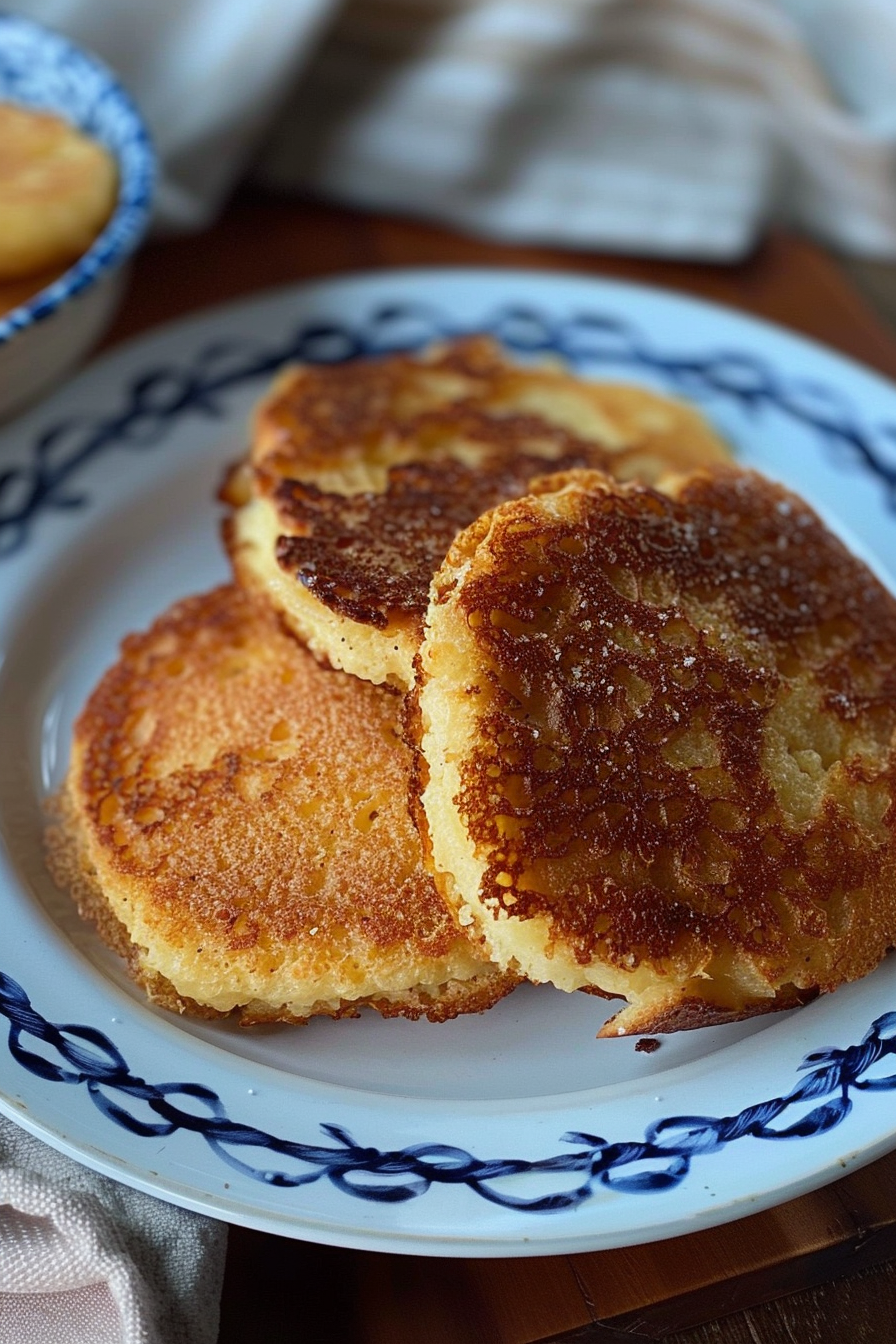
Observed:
{"x":42,"y":69}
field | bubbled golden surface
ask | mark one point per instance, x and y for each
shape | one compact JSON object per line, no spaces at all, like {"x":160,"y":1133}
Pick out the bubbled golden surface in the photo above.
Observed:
{"x":235,"y":820}
{"x":657,"y":745}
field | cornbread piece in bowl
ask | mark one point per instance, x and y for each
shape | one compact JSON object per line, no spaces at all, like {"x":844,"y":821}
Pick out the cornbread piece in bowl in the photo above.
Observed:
{"x":361,"y":474}
{"x":76,"y":180}
{"x":235,"y":821}
{"x":657,"y":746}
{"x":57,"y":190}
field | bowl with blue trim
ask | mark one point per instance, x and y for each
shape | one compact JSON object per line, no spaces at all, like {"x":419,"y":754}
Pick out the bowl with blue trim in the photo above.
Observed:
{"x":44,"y":336}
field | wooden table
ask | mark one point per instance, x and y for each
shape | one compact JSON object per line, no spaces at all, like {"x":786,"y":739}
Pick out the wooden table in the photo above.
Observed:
{"x":814,"y":1271}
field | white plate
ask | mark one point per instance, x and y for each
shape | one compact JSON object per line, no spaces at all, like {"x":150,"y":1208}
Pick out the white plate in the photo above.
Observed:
{"x":517,"y":1133}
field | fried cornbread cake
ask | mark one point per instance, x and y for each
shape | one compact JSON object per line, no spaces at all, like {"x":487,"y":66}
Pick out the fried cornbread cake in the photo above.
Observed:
{"x":361,"y":474}
{"x":657,"y":746}
{"x":57,"y":190}
{"x":235,"y":821}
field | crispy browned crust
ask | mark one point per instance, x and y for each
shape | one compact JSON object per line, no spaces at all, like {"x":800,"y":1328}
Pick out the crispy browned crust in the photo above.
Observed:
{"x":72,"y":870}
{"x":245,"y":810}
{"x":684,"y":727}
{"x":690,"y":1013}
{"x":448,"y":435}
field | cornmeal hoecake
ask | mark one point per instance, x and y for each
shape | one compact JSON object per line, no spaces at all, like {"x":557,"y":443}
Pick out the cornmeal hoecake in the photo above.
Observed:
{"x":235,"y":821}
{"x":361,"y":474}
{"x":656,"y":735}
{"x":58,"y":189}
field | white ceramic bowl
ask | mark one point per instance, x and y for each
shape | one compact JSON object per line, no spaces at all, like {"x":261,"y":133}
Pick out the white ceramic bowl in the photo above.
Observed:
{"x":46,"y":336}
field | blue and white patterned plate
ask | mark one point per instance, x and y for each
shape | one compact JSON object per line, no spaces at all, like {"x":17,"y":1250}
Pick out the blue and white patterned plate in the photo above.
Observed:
{"x":517,"y":1133}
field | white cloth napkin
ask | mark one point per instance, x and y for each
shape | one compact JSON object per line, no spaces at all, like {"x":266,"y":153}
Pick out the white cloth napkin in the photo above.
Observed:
{"x":666,"y":127}
{"x":84,"y":1260}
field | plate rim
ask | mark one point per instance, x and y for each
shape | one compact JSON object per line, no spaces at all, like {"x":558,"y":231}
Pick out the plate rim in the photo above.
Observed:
{"x":187,"y":326}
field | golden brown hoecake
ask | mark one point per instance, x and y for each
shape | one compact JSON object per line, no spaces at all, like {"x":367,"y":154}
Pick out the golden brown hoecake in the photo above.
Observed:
{"x":361,"y":474}
{"x":235,"y":821}
{"x":57,"y":190}
{"x":657,"y":746}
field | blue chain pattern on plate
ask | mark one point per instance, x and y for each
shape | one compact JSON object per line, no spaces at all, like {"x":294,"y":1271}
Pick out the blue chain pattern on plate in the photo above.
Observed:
{"x":155,"y":399}
{"x":88,"y":1057}
{"x":152,"y":404}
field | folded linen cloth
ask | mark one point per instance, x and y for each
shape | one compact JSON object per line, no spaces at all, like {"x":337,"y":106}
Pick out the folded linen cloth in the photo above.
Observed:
{"x":84,"y":1260}
{"x":666,"y":127}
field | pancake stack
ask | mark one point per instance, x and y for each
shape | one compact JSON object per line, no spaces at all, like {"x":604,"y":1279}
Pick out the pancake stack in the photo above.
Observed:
{"x":520,"y":678}
{"x":362,"y":474}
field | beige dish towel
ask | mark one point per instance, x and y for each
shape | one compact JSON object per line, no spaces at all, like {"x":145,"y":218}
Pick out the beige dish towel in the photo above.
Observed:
{"x":84,"y":1260}
{"x":678,"y":128}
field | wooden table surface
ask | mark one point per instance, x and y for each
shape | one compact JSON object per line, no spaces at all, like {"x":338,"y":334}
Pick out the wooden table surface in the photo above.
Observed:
{"x":814,"y":1271}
